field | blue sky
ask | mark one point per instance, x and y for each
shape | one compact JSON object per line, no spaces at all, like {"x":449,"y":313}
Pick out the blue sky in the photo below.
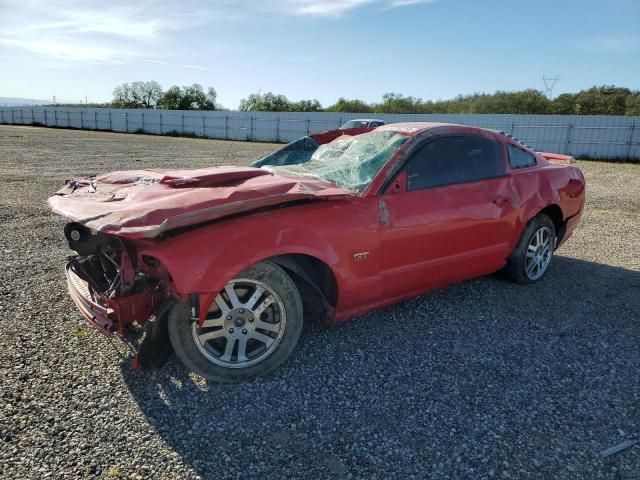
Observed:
{"x":320,"y":49}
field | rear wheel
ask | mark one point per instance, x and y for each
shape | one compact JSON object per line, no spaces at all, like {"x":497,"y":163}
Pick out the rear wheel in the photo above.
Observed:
{"x":532,"y":255}
{"x":251,"y":328}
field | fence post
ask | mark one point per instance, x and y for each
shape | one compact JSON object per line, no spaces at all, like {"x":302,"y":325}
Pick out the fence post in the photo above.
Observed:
{"x":143,"y":121}
{"x":126,"y":122}
{"x":251,"y":127}
{"x":81,"y":119}
{"x":55,"y":116}
{"x":45,"y":118}
{"x":21,"y":116}
{"x":182,"y":123}
{"x":278,"y":129}
{"x":568,"y":139}
{"x":160,"y":122}
{"x":308,"y":123}
{"x":339,"y":122}
{"x":204,"y":125}
{"x":95,"y":119}
{"x":68,"y":119}
{"x":629,"y":143}
{"x":110,"y":122}
{"x":226,"y":127}
{"x":12,"y":116}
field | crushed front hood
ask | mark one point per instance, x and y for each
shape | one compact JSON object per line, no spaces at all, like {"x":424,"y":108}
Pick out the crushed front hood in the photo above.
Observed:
{"x":146,"y":203}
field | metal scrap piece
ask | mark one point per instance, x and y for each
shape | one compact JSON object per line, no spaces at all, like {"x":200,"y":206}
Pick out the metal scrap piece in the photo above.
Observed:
{"x":618,"y":448}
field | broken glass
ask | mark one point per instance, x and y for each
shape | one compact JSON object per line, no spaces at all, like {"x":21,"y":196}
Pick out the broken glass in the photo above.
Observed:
{"x":349,"y":162}
{"x":298,"y":151}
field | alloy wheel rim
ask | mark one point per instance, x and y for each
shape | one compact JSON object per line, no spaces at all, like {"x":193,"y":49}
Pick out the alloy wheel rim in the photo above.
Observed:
{"x":539,"y":251}
{"x":244,"y":325}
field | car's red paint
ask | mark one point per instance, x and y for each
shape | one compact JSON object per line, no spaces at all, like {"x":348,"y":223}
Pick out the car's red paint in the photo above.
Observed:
{"x":145,"y":203}
{"x":330,"y":135}
{"x":384,"y":245}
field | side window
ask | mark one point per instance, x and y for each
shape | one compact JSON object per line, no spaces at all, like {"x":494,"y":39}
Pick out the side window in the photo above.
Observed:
{"x":519,"y":158}
{"x":454,"y":159}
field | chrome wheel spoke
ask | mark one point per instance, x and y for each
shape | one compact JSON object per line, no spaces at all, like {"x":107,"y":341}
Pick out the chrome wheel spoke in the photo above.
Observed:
{"x":205,"y":337}
{"x":231,"y":342}
{"x":216,"y":322}
{"x":222,"y":305}
{"x":266,"y":303}
{"x":272,"y":327}
{"x":233,"y":297}
{"x":242,"y":350}
{"x":254,"y":298}
{"x":261,"y":337}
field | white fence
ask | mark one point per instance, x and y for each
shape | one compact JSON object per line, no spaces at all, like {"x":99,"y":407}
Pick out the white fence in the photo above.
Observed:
{"x":583,"y":136}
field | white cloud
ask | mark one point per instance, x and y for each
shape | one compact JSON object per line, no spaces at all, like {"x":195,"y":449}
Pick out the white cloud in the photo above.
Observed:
{"x":120,"y":31}
{"x":65,"y":51}
{"x":336,"y":8}
{"x":326,"y":8}
{"x":406,"y":3}
{"x":169,"y":64}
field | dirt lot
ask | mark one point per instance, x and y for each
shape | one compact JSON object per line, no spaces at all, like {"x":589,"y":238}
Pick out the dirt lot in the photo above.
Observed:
{"x":497,"y":381}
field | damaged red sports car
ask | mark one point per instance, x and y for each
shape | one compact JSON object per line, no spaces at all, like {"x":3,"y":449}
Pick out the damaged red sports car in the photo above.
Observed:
{"x":223,"y":264}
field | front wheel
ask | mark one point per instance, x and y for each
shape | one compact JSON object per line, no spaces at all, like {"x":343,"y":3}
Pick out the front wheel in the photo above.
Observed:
{"x":532,"y":255}
{"x":251,"y":328}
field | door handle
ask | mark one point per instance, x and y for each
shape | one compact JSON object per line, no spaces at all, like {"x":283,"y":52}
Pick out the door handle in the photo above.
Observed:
{"x":501,"y":200}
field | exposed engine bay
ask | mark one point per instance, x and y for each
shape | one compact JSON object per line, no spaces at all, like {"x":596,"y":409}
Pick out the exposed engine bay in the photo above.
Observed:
{"x":116,"y":295}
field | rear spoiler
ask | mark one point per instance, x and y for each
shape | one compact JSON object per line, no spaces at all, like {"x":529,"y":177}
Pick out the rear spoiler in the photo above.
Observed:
{"x":557,"y":158}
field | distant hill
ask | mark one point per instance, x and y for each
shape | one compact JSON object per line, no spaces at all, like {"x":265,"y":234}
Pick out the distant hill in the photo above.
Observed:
{"x":21,"y":102}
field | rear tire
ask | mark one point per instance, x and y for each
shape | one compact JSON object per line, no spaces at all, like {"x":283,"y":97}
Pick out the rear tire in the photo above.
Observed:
{"x":533,"y":253}
{"x":251,"y":328}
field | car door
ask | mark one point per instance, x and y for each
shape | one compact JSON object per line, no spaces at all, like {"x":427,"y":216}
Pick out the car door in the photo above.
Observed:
{"x":449,"y":216}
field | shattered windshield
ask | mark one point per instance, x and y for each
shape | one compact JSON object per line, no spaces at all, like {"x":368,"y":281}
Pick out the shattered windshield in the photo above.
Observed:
{"x":298,"y":151}
{"x":349,"y":162}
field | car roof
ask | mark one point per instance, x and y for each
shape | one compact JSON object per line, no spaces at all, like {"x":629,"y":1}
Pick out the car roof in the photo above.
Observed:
{"x":415,"y":128}
{"x":364,"y":120}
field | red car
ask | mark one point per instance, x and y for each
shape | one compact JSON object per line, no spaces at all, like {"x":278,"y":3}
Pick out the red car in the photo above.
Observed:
{"x":224,"y":263}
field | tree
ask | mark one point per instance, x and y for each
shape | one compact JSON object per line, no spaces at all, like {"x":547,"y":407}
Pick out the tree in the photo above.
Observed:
{"x":306,"y":106}
{"x":563,"y":104}
{"x":266,"y":102}
{"x":137,"y":95}
{"x":604,"y":100}
{"x":350,"y":106}
{"x":188,"y":98}
{"x":398,"y":103}
{"x":633,"y":104}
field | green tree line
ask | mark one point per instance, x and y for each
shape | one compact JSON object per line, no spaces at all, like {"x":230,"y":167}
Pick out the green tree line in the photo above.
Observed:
{"x":151,"y":95}
{"x":602,"y":100}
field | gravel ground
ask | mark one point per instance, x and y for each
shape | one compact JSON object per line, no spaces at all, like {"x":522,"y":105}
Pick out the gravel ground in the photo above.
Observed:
{"x":496,"y":381}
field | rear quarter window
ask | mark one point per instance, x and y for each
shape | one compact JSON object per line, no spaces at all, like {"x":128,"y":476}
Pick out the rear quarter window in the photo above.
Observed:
{"x":519,"y":158}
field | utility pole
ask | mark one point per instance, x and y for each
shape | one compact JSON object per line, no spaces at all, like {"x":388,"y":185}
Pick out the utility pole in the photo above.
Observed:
{"x":549,"y":83}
